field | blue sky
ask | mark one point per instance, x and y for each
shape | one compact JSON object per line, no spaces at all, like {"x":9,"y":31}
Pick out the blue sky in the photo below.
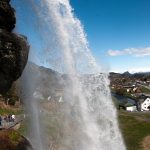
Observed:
{"x":117,"y":25}
{"x":118,"y":31}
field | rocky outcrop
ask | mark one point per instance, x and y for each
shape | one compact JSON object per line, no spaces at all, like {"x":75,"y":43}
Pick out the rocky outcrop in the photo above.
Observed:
{"x":24,"y":144}
{"x":13,"y":48}
{"x":7,"y":16}
{"x":12,"y":140}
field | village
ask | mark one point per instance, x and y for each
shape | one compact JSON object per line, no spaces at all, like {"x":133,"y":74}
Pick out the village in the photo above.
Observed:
{"x":133,"y":91}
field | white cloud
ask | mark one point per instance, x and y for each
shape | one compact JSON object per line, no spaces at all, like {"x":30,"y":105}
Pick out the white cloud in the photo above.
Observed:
{"x":132,"y":70}
{"x":137,"y":52}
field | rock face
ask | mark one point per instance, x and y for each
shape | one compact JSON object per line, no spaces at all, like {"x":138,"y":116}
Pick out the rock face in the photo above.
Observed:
{"x":7,"y":16}
{"x":12,"y":140}
{"x":13,"y":48}
{"x":24,"y":145}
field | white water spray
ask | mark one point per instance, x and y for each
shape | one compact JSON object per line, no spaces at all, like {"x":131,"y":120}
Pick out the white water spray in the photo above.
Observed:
{"x":89,"y":114}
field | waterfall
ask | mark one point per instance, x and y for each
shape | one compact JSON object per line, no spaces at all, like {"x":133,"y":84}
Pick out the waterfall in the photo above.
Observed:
{"x":89,"y":118}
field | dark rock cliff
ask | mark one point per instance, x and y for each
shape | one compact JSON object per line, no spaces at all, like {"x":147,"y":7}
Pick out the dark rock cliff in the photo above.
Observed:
{"x":13,"y":48}
{"x":12,"y":140}
{"x":7,"y":16}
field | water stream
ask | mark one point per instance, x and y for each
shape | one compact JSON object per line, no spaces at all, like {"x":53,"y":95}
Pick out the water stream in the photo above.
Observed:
{"x":88,"y":119}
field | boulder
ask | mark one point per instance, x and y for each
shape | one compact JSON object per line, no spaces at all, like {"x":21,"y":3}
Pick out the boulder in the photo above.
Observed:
{"x":12,"y":140}
{"x":13,"y":58}
{"x":7,"y":16}
{"x":14,"y":48}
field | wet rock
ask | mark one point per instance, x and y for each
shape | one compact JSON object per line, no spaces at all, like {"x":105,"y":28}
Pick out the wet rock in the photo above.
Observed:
{"x":24,"y":145}
{"x":13,"y":48}
{"x":12,"y":140}
{"x":13,"y":58}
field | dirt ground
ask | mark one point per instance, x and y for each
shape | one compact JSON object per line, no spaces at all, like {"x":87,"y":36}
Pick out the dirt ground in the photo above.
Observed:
{"x":146,"y":143}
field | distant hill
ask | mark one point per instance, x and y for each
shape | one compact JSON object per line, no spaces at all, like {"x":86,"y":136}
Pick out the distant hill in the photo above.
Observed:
{"x":139,"y":75}
{"x":40,"y":80}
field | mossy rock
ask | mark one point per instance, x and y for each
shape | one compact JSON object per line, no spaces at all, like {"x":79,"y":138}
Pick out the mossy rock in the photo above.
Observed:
{"x":12,"y":140}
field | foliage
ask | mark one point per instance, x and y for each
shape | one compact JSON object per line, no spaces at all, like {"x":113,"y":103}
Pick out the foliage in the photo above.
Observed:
{"x":15,"y":137}
{"x":120,"y":91}
{"x":4,"y":111}
{"x":23,"y":128}
{"x":129,"y":95}
{"x":145,"y":90}
{"x":9,"y":139}
{"x":11,"y":96}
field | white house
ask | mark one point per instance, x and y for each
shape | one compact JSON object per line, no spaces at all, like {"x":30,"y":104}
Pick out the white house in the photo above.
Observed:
{"x":145,"y":105}
{"x":131,"y":108}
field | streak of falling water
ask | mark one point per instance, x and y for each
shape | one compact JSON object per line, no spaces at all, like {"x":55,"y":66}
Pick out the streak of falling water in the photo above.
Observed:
{"x":88,"y":96}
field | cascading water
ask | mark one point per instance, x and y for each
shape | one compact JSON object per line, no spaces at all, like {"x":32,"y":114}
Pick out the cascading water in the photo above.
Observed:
{"x":89,"y":117}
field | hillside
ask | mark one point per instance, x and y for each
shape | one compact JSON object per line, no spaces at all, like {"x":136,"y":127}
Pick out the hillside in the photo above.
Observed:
{"x":40,"y":82}
{"x":127,"y":77}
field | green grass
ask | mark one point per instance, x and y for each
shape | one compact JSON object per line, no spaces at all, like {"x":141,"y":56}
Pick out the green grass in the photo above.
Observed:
{"x":14,"y":137}
{"x":23,"y":128}
{"x":134,"y":129}
{"x":145,"y":90}
{"x":6,"y":111}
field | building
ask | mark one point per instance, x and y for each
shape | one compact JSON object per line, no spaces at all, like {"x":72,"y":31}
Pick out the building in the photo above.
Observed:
{"x":144,"y":103}
{"x":131,"y":108}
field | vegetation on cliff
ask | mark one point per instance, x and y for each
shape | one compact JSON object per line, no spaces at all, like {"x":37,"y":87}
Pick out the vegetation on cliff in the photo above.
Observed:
{"x":12,"y":140}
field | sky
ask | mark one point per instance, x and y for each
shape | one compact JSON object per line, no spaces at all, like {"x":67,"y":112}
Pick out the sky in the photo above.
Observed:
{"x":118,"y":31}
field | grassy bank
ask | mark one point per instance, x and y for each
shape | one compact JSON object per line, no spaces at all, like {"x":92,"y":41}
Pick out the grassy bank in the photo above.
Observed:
{"x":134,"y":127}
{"x":6,"y":111}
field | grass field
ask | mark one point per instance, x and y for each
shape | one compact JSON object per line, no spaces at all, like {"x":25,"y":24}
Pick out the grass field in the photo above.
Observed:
{"x":6,"y":111}
{"x":135,"y":127}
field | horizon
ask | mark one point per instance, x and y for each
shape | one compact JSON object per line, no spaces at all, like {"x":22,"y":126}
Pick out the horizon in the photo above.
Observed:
{"x":30,"y":62}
